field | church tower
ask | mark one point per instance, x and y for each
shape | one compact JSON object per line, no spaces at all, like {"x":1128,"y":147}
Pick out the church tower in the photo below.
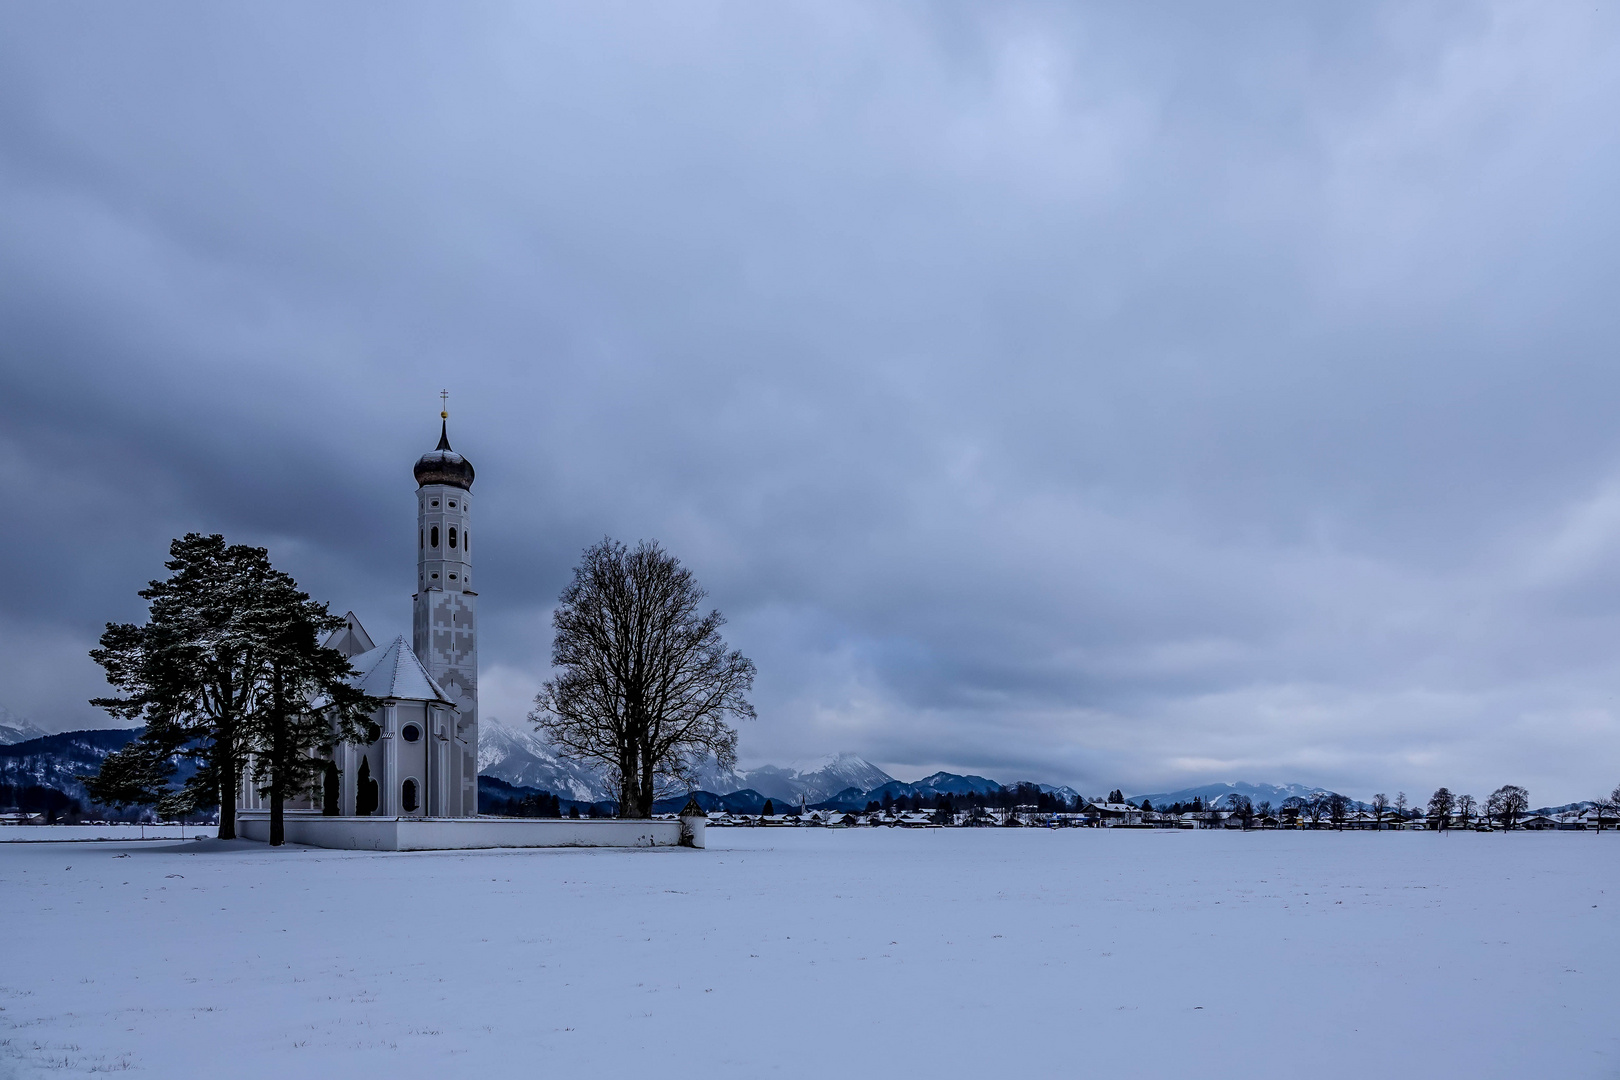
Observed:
{"x":445,"y":620}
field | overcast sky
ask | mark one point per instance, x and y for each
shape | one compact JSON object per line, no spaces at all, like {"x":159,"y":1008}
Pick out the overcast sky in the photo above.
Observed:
{"x":1127,"y":395}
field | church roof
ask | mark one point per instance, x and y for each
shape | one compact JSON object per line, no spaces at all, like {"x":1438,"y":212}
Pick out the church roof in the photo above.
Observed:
{"x":393,"y":671}
{"x":350,"y":639}
{"x":442,"y":465}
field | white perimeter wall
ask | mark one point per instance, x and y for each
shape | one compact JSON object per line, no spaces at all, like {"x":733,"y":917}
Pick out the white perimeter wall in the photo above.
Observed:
{"x":430,"y":834}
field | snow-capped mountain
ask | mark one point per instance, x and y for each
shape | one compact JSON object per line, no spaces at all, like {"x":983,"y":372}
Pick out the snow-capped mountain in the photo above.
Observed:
{"x":16,"y":729}
{"x":1219,"y":794}
{"x":521,"y":757}
{"x":814,"y":781}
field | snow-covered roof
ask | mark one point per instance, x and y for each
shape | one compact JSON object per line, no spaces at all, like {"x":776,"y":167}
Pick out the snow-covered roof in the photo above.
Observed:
{"x":393,"y":671}
{"x":351,"y":638}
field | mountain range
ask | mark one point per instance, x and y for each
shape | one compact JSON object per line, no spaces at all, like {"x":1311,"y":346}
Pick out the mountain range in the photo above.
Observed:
{"x":16,"y":729}
{"x":1218,"y":795}
{"x":40,"y":771}
{"x":42,"y":774}
{"x":522,"y":758}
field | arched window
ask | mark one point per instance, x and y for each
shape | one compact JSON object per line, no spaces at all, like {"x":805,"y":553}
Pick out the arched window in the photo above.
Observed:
{"x":452,"y":536}
{"x":407,"y":795}
{"x":433,"y":536}
{"x":466,"y":540}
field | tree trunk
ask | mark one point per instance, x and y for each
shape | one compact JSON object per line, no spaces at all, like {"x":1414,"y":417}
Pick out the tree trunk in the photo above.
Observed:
{"x":225,"y":767}
{"x":278,"y":758}
{"x":645,"y":801}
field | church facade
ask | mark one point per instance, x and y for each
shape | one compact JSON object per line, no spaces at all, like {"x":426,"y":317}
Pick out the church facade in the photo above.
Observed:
{"x":424,"y":763}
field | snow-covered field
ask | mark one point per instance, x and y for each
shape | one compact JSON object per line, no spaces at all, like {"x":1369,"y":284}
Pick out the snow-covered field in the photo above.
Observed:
{"x":22,"y":834}
{"x":817,"y":953}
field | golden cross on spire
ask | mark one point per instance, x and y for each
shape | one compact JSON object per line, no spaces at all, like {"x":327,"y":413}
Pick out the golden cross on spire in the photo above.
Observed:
{"x":444,"y":404}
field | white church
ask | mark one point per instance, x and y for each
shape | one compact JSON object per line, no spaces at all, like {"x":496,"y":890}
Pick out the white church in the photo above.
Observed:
{"x":416,"y":786}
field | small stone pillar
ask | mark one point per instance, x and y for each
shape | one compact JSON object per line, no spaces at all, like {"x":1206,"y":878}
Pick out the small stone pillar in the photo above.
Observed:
{"x":693,"y":823}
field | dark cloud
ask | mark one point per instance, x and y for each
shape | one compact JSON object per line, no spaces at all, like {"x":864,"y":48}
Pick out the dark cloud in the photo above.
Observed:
{"x":1110,"y":396}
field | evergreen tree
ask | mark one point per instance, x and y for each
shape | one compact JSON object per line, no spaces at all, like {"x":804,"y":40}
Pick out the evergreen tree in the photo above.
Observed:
{"x":329,"y":789}
{"x":365,"y":795}
{"x":769,"y":810}
{"x":191,"y":676}
{"x":308,"y":702}
{"x":129,"y":776}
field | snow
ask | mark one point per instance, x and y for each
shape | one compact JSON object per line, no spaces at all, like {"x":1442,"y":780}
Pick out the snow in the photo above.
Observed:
{"x":520,"y":756}
{"x":393,"y":671}
{"x":799,"y":952}
{"x":47,"y":834}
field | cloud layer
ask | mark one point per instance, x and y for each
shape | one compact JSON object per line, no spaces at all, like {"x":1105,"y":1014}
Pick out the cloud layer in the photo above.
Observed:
{"x":1120,"y":397}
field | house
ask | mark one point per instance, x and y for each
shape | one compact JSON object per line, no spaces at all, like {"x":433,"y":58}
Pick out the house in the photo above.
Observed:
{"x":1109,"y":814}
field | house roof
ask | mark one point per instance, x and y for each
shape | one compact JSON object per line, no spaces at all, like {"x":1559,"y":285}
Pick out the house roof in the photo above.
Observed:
{"x":393,"y":671}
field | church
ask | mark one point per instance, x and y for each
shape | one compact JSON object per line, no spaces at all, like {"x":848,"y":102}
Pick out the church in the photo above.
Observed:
{"x":425,"y":762}
{"x":416,"y":786}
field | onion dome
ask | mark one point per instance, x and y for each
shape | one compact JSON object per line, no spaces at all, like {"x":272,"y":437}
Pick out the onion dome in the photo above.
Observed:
{"x":443,"y":465}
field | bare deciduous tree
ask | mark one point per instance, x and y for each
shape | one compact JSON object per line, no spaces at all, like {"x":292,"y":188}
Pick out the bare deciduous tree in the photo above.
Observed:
{"x":1507,"y":803}
{"x":1243,"y":809}
{"x":1400,"y":806}
{"x":645,"y":685}
{"x":1380,"y":805}
{"x":1466,"y":805}
{"x":1607,"y":806}
{"x":1338,"y":809}
{"x":1315,"y":806}
{"x":1441,"y":804}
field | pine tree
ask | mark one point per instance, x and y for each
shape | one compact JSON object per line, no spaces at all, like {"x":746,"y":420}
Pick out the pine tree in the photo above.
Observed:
{"x":191,"y":676}
{"x":135,"y":775}
{"x":308,"y":703}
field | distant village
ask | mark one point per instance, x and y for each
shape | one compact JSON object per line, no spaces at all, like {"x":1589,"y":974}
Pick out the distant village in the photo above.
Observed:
{"x":1124,"y":815}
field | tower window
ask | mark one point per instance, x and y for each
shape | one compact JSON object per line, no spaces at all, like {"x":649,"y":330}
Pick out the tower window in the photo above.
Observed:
{"x":435,"y":577}
{"x":452,"y":577}
{"x":433,"y":536}
{"x":418,"y":537}
{"x":407,"y":795}
{"x":452,"y":536}
{"x":466,"y":540}
{"x":411,"y":733}
{"x":435,"y":502}
{"x":452,"y":506}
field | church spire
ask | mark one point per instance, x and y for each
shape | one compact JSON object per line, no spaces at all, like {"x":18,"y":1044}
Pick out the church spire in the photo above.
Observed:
{"x":444,"y":420}
{"x":442,"y":465}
